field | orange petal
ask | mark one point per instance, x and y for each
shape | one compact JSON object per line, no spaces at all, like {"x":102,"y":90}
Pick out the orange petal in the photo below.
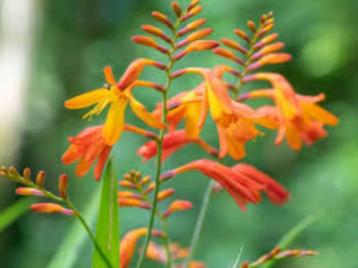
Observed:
{"x":86,"y":99}
{"x":108,"y":74}
{"x":320,"y":114}
{"x":114,"y":124}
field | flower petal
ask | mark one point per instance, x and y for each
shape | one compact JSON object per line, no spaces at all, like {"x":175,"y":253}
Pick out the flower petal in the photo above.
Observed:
{"x":87,"y":99}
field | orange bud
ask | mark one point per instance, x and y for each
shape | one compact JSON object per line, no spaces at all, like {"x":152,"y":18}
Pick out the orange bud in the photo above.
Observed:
{"x":273,"y":58}
{"x":235,"y":45}
{"x":26,"y":173}
{"x":26,"y":191}
{"x":176,"y":8}
{"x":127,"y":184}
{"x":268,"y":49}
{"x":127,"y":194}
{"x":40,"y":178}
{"x":51,"y":208}
{"x":252,"y":26}
{"x":149,"y":42}
{"x":162,"y":195}
{"x":177,"y":205}
{"x":163,"y":19}
{"x":191,"y":13}
{"x":12,"y":171}
{"x":150,"y":188}
{"x":266,"y":40}
{"x":62,"y":186}
{"x":150,"y":84}
{"x":109,"y":76}
{"x":192,"y":4}
{"x":144,"y":180}
{"x":132,"y":202}
{"x":199,"y":45}
{"x":228,"y":55}
{"x":242,"y":35}
{"x":191,"y":26}
{"x":194,"y":36}
{"x":265,"y":30}
{"x":157,"y":32}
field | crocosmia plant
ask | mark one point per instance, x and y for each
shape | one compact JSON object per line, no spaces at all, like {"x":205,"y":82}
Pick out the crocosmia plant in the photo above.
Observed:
{"x":238,"y":95}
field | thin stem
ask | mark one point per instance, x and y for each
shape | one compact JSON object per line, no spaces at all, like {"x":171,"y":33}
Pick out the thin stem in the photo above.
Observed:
{"x":164,"y":224}
{"x":81,"y":219}
{"x":160,"y":150}
{"x":200,"y":222}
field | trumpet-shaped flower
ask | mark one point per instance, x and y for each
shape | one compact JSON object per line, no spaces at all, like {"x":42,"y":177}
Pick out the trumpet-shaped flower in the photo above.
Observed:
{"x":129,"y":243}
{"x":243,"y":182}
{"x":298,"y":118}
{"x":117,"y":96}
{"x":85,"y":148}
{"x":235,"y":121}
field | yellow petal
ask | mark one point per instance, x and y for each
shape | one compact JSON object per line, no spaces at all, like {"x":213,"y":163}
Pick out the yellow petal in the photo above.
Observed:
{"x":319,"y":113}
{"x":114,"y":124}
{"x":293,"y":138}
{"x":192,"y":116}
{"x":143,"y":114}
{"x":86,"y":99}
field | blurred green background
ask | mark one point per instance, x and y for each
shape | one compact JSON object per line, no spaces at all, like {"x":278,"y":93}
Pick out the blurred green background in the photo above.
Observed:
{"x":74,"y":40}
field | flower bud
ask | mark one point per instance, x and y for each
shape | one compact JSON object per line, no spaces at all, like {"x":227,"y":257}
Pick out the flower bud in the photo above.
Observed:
{"x":233,"y":44}
{"x":192,"y":4}
{"x":127,"y":184}
{"x":149,"y":42}
{"x":199,"y":45}
{"x":266,"y":40}
{"x":51,"y":208}
{"x":26,"y":173}
{"x":132,"y":202}
{"x":26,"y":191}
{"x":40,"y":178}
{"x":242,"y":35}
{"x":128,"y":194}
{"x":273,"y":58}
{"x":191,"y":26}
{"x":176,"y":8}
{"x":157,"y":32}
{"x":251,"y":26}
{"x":268,"y":49}
{"x":162,"y":195}
{"x":177,"y":205}
{"x":163,"y":19}
{"x":62,"y":185}
{"x":225,"y":53}
{"x":194,"y":36}
{"x":191,"y":13}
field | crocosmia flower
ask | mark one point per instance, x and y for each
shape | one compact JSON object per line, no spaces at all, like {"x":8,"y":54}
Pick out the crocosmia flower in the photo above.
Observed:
{"x":299,"y":118}
{"x":243,"y":182}
{"x":117,"y":96}
{"x":87,"y":147}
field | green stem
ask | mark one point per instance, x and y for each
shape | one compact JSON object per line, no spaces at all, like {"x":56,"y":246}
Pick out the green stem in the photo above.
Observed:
{"x":200,"y":222}
{"x":160,"y":150}
{"x":165,"y":229}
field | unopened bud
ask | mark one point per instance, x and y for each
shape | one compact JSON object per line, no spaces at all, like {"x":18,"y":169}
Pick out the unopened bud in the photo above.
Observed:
{"x":162,"y":195}
{"x":251,"y":26}
{"x":176,"y":8}
{"x":191,"y":26}
{"x":242,"y":35}
{"x":26,"y":173}
{"x":150,"y":188}
{"x":194,"y":36}
{"x":131,"y":202}
{"x":265,"y":30}
{"x":128,"y":194}
{"x":177,"y":205}
{"x":12,"y":171}
{"x":163,"y":19}
{"x":273,"y":58}
{"x":192,"y":4}
{"x":266,"y":40}
{"x":193,"y":12}
{"x":62,"y":185}
{"x":228,"y":55}
{"x":235,"y":45}
{"x":268,"y":49}
{"x":157,"y":32}
{"x":199,"y":45}
{"x":149,"y":42}
{"x":40,"y":178}
{"x":127,"y":184}
{"x":51,"y":208}
{"x":144,"y":180}
{"x":26,"y":191}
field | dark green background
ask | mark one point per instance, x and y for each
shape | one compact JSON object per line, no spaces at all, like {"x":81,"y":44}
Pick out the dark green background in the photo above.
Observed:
{"x":78,"y":38}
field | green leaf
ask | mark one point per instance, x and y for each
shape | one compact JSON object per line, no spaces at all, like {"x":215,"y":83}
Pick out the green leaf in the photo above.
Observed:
{"x":292,"y":234}
{"x":107,"y":229}
{"x":12,"y":213}
{"x":66,"y":256}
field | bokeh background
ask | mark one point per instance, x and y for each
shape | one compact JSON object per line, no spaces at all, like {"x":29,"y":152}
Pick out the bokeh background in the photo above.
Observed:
{"x":51,"y":50}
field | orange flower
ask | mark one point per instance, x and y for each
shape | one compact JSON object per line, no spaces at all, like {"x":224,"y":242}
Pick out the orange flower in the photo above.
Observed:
{"x":85,"y":148}
{"x":235,"y":121}
{"x":242,"y":182}
{"x":117,"y":95}
{"x":172,"y":142}
{"x":298,"y":118}
{"x":129,"y":243}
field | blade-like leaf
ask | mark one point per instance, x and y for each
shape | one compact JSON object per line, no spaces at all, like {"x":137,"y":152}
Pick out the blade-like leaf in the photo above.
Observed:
{"x":292,"y":234}
{"x":107,"y":229}
{"x":10,"y":214}
{"x":65,"y":255}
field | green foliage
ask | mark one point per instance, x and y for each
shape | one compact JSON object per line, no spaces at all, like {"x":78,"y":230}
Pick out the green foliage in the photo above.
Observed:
{"x":11,"y":214}
{"x":108,"y":221}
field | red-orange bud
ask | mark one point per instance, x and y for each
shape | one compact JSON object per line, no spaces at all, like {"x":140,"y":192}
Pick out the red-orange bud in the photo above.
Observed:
{"x":266,"y":40}
{"x":133,"y":202}
{"x":162,"y":195}
{"x":193,"y":12}
{"x":149,"y":42}
{"x":156,"y":31}
{"x":228,"y":54}
{"x":191,"y":26}
{"x":233,"y":44}
{"x":199,"y":45}
{"x":51,"y":208}
{"x":192,"y":4}
{"x":26,"y":191}
{"x":144,"y":180}
{"x":176,"y":8}
{"x":163,"y":19}
{"x":268,"y":49}
{"x":273,"y":58}
{"x":242,"y":34}
{"x":127,"y":184}
{"x":128,"y":194}
{"x":40,"y":178}
{"x":251,"y":26}
{"x":26,"y":173}
{"x":177,"y":205}
{"x":194,"y":36}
